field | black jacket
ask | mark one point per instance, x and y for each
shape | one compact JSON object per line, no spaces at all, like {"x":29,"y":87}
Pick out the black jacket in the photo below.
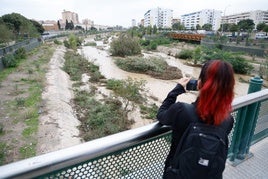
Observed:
{"x":174,"y":114}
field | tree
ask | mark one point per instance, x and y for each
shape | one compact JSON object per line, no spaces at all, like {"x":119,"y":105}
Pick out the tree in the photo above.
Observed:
{"x":20,"y":25}
{"x":246,"y":25}
{"x":265,"y":29}
{"x":154,"y":29}
{"x":149,"y":30}
{"x":67,"y":25}
{"x":177,"y":26}
{"x":233,"y":29}
{"x":207,"y":27}
{"x":38,"y":26}
{"x":261,"y":26}
{"x":59,"y":24}
{"x":5,"y":33}
{"x":225,"y":27}
{"x":198,"y":27}
{"x":71,"y":25}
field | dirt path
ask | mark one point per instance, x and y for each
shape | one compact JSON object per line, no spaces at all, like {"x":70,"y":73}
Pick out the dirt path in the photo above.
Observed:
{"x":58,"y":124}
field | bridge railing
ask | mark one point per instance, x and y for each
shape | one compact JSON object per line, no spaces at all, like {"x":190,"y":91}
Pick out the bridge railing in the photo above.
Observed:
{"x":136,"y":153}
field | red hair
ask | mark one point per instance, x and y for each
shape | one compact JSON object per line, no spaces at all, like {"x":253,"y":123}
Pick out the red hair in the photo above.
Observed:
{"x":216,"y":91}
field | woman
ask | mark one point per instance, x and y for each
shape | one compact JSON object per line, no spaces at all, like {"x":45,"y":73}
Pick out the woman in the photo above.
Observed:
{"x":213,"y":105}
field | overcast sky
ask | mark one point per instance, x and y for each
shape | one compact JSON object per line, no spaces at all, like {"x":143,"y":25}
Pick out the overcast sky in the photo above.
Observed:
{"x":121,"y":12}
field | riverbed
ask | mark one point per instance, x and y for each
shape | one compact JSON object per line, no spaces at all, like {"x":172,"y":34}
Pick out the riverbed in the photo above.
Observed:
{"x":156,"y":87}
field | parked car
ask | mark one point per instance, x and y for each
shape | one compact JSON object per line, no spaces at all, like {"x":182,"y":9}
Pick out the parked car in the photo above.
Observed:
{"x":261,"y":36}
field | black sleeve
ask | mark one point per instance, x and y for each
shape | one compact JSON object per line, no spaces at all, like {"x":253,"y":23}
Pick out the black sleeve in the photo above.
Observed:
{"x":165,"y":114}
{"x":230,"y":126}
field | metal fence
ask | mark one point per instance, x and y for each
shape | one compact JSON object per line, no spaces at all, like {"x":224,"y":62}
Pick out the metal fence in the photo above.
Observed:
{"x":136,"y":153}
{"x":26,"y":44}
{"x":251,"y":50}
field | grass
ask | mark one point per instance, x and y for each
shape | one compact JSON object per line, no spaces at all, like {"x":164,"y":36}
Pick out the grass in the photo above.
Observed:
{"x":24,"y":108}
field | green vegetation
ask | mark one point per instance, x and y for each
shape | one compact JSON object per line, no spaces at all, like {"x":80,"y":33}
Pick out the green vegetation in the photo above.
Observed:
{"x":149,"y":111}
{"x":263,"y":72}
{"x":99,"y":118}
{"x":141,"y":65}
{"x":73,"y":42}
{"x":130,"y":91}
{"x":185,"y":54}
{"x":125,"y":45}
{"x":153,"y":66}
{"x":24,"y":106}
{"x":16,"y":27}
{"x":152,"y":43}
{"x":91,"y":44}
{"x":76,"y":65}
{"x":102,"y":117}
{"x":56,"y":41}
{"x":202,"y":54}
{"x":11,"y":60}
{"x":3,"y":149}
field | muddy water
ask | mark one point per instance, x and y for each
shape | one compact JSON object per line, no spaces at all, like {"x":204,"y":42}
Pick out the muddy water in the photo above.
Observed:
{"x":156,"y":87}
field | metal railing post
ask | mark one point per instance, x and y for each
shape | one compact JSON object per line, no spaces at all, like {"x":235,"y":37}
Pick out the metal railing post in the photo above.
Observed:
{"x":245,"y":126}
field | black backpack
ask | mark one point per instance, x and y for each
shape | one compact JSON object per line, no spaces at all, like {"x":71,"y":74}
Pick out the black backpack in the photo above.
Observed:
{"x":201,"y":153}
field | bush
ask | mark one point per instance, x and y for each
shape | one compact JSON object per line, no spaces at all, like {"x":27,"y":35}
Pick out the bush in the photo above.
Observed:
{"x":125,"y":45}
{"x":185,"y":54}
{"x":240,"y":65}
{"x":91,"y":44}
{"x":153,"y":45}
{"x":57,"y":42}
{"x":20,"y":53}
{"x":73,"y":42}
{"x":139,"y":64}
{"x":10,"y":61}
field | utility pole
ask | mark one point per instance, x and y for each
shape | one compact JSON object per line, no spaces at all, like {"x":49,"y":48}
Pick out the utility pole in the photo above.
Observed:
{"x":222,"y":20}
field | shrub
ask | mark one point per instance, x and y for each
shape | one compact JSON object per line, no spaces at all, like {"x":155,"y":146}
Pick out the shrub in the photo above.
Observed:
{"x":185,"y":54}
{"x":57,"y":42}
{"x":139,"y":64}
{"x":240,"y":65}
{"x":10,"y":61}
{"x":73,"y":42}
{"x":125,"y":45}
{"x":153,"y":45}
{"x":20,"y":53}
{"x":91,"y":44}
{"x":129,"y":90}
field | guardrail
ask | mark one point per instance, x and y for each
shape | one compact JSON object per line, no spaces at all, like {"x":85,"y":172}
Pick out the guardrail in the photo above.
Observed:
{"x":136,"y":153}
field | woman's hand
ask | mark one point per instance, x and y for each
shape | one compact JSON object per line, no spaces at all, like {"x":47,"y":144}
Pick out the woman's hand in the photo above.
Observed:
{"x":183,"y":81}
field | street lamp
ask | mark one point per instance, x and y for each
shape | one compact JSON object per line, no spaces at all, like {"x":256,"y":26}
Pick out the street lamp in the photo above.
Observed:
{"x":222,"y":20}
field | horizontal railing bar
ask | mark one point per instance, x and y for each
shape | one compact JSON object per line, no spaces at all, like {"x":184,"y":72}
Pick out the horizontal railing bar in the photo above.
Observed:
{"x":249,"y":99}
{"x":63,"y":158}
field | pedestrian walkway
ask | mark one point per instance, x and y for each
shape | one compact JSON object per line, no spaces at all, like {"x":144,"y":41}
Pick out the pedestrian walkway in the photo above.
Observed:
{"x":255,"y":167}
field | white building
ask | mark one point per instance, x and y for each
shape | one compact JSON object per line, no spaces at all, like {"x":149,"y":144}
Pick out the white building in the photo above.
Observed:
{"x":257,"y":16}
{"x":133,"y":23}
{"x":159,"y":17}
{"x":70,"y":16}
{"x":205,"y":16}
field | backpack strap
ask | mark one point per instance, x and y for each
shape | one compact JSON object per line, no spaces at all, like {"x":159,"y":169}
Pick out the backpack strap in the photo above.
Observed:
{"x":191,"y":111}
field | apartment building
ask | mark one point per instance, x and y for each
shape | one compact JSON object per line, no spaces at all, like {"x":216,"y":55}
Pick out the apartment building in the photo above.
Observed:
{"x":205,"y":16}
{"x":159,"y":17}
{"x":70,"y":16}
{"x":257,"y":16}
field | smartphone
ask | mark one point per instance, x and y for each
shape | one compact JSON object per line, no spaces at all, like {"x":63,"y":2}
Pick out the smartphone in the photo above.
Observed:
{"x":192,"y":85}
